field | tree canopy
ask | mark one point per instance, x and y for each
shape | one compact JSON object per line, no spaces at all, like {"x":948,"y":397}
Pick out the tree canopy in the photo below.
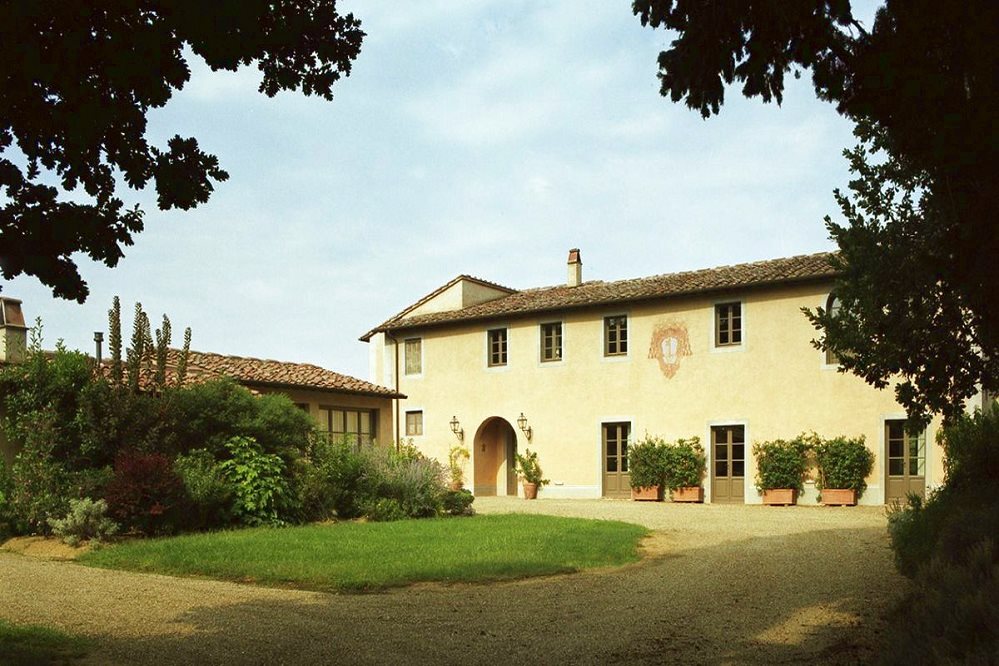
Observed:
{"x":918,"y":255}
{"x":76,"y":84}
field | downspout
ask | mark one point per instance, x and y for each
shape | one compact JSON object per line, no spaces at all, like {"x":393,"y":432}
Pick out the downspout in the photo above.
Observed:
{"x":395,"y":401}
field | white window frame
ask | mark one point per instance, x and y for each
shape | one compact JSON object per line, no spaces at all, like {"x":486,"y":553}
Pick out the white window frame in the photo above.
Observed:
{"x":405,"y":352}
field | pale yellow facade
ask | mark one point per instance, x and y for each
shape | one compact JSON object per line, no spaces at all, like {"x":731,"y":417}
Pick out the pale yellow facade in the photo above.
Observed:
{"x":775,"y":384}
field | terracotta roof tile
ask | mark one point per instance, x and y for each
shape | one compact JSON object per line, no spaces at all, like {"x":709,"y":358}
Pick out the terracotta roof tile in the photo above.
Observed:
{"x":562,"y":297}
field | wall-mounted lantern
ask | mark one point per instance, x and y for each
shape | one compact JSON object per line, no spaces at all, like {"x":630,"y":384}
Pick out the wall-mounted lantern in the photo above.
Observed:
{"x":522,"y":424}
{"x":456,"y":428}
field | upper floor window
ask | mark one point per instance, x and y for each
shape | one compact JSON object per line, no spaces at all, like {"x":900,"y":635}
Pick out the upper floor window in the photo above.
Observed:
{"x":496,"y":339}
{"x":414,"y":423}
{"x":551,"y":342}
{"x":832,"y":307}
{"x":616,"y":335}
{"x":414,"y":356}
{"x":728,"y":324}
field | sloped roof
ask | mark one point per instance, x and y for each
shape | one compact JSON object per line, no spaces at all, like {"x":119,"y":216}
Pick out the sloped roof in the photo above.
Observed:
{"x":205,"y":366}
{"x":561,"y":297}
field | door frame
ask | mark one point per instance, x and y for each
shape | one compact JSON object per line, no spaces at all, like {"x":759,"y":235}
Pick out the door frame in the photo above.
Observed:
{"x":750,"y":472}
{"x":929,"y":436}
{"x":601,"y":420}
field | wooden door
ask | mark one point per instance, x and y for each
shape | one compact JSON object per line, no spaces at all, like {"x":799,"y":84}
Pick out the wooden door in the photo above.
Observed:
{"x":906,"y":456}
{"x":615,"y":459}
{"x":728,"y":466}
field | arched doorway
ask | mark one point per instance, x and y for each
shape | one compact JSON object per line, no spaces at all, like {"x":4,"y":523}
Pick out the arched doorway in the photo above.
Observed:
{"x":495,"y":447}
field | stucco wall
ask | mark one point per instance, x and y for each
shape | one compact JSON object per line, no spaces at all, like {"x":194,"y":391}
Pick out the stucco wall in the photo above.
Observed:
{"x":317,"y":399}
{"x":776,"y":384}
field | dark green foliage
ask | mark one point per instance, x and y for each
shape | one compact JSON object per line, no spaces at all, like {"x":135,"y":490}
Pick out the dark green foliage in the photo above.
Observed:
{"x":684,"y":462}
{"x":843,"y":463}
{"x":337,"y":480}
{"x":458,"y":502}
{"x":781,"y":463}
{"x":261,"y":493}
{"x":77,"y":87}
{"x":384,"y":509}
{"x":210,"y":494}
{"x":647,"y":463}
{"x":146,"y":495}
{"x":38,"y":488}
{"x":6,"y":511}
{"x":114,"y":342}
{"x":947,"y":544}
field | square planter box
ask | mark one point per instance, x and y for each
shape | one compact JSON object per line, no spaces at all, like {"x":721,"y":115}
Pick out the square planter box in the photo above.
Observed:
{"x":688,"y":494}
{"x":780,"y":496}
{"x":645,"y":494}
{"x":839,"y":497}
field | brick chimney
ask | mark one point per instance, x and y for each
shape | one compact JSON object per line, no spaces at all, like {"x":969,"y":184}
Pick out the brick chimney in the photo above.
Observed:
{"x":13,"y":332}
{"x":575,"y":268}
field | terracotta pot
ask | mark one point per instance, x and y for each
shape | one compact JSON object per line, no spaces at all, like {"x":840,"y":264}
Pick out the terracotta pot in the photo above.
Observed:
{"x":645,"y":494}
{"x":688,"y":494}
{"x":839,"y":497}
{"x":780,"y":496}
{"x":530,"y":490}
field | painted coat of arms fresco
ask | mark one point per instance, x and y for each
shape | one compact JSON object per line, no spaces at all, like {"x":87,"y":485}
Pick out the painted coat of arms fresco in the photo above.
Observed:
{"x":670,"y":343}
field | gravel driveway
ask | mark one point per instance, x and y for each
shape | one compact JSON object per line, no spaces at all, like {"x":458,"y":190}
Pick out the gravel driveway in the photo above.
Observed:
{"x":742,"y":584}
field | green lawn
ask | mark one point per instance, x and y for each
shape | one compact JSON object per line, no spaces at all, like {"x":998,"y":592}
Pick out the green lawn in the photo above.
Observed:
{"x":371,"y":556}
{"x":23,"y":645}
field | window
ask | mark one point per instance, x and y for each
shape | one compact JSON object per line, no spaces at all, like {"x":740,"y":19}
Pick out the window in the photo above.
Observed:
{"x":414,"y":356}
{"x":304,"y":406}
{"x":354,"y":425}
{"x":551,"y":342}
{"x":616,"y":446}
{"x":906,"y":451}
{"x":414,"y":423}
{"x":496,"y":339}
{"x":616,"y":335}
{"x":832,"y":307}
{"x":728,"y":324}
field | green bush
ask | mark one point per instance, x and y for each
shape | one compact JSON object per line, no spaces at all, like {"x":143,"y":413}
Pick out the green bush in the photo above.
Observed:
{"x":843,"y":463}
{"x":647,"y":462}
{"x":384,"y":509}
{"x":86,"y":521}
{"x":972,"y":450}
{"x":38,"y":488}
{"x":209,"y":493}
{"x":414,"y":481}
{"x":684,"y":463}
{"x":458,"y":503}
{"x":335,"y":479}
{"x":782,"y":463}
{"x":261,"y":493}
{"x":6,"y":513}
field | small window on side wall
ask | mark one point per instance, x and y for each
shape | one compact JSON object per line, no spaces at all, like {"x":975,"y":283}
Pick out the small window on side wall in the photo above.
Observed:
{"x":496,"y":340}
{"x":414,"y":423}
{"x":414,"y":356}
{"x":551,"y":342}
{"x":832,"y":307}
{"x":728,"y":324}
{"x":616,"y":335}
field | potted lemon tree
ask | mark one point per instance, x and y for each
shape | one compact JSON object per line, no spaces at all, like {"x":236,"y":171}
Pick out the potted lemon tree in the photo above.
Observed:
{"x":646,"y":471}
{"x":529,"y":472}
{"x":781,"y":466}
{"x":684,"y":467}
{"x":843,"y":467}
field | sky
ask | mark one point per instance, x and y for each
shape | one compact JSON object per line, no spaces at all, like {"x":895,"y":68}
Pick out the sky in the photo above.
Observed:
{"x":485,"y":137}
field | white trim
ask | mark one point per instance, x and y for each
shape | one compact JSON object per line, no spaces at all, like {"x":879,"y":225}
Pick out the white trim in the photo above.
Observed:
{"x":553,"y":491}
{"x":749,"y":481}
{"x":538,"y":346}
{"x":423,"y":358}
{"x":485,"y":355}
{"x":616,"y":358}
{"x":423,"y":425}
{"x":728,"y":349}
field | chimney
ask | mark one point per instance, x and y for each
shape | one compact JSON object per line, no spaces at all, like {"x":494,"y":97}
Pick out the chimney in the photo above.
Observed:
{"x":575,"y":268}
{"x":13,"y":332}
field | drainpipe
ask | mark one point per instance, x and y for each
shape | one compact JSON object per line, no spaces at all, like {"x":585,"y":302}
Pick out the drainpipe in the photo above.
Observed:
{"x":395,"y":401}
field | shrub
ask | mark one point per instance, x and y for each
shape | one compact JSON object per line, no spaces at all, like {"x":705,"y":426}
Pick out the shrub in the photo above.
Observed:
{"x":209,"y":493}
{"x":384,"y":509}
{"x":146,"y":494}
{"x":647,"y":463}
{"x":37,"y":488}
{"x":415,"y":482}
{"x":781,"y":463}
{"x":336,"y":479}
{"x":843,"y":463}
{"x":458,"y":503}
{"x":972,"y":450}
{"x":6,"y":515}
{"x":529,"y":469}
{"x":684,"y":463}
{"x":87,"y":520}
{"x":261,"y":494}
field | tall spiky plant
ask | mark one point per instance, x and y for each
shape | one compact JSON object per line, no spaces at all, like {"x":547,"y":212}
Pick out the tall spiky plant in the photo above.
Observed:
{"x":182,"y":361}
{"x":163,"y":336}
{"x":114,"y":341}
{"x":135,"y":352}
